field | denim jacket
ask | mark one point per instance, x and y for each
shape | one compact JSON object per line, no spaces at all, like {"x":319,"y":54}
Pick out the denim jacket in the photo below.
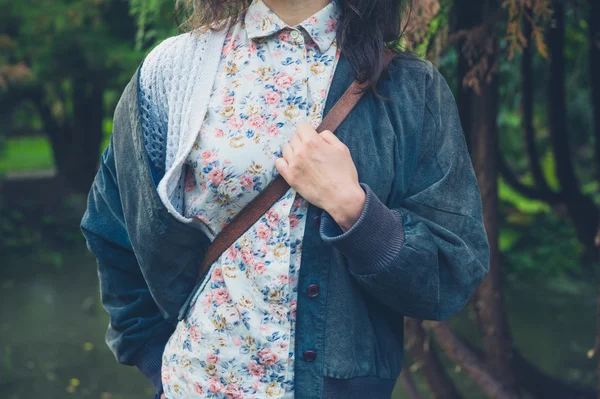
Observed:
{"x":419,"y":248}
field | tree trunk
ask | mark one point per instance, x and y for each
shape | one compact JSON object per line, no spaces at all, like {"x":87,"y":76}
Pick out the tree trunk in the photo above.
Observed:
{"x":76,"y":141}
{"x":479,"y":112}
{"x":594,"y":24}
{"x":581,"y":208}
{"x":84,"y":146}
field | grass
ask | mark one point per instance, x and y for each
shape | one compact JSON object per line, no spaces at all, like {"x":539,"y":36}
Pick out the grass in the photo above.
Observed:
{"x":26,"y":153}
{"x":30,"y":153}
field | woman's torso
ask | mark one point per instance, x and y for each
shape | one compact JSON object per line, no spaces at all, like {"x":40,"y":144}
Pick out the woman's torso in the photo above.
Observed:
{"x":238,"y":338}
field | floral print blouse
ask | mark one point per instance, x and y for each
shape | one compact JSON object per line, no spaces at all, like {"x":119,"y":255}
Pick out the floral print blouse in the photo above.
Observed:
{"x":238,"y":338}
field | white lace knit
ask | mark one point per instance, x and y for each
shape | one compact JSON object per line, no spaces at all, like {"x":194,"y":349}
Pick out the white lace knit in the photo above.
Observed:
{"x":177,"y":77}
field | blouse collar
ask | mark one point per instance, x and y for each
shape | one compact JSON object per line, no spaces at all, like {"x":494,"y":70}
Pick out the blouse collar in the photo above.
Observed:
{"x":261,"y":22}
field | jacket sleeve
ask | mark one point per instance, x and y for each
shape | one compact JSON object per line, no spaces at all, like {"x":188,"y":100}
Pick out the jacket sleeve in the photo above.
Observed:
{"x":137,"y":332}
{"x":425,"y":254}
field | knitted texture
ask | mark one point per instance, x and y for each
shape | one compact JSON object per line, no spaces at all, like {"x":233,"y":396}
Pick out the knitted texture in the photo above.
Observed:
{"x":176,"y":79}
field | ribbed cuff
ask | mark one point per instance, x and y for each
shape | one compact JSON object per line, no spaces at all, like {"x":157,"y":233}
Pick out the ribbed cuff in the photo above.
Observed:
{"x":373,"y":242}
{"x":149,"y":362}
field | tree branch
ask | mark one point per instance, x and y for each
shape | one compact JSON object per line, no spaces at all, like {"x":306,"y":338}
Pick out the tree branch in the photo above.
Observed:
{"x":460,"y":353}
{"x":527,"y":109}
{"x":426,"y":359}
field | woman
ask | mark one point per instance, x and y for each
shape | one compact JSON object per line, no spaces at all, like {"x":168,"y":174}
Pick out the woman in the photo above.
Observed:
{"x":382,"y":220}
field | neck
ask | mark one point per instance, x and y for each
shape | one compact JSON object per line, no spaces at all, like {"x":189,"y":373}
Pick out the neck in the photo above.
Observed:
{"x":292,"y":12}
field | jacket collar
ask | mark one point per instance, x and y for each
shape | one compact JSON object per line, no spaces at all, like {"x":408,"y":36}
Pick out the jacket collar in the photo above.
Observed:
{"x":262,"y":22}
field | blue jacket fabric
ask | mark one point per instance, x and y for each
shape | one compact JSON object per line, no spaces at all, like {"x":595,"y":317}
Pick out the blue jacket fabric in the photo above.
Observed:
{"x":419,"y":248}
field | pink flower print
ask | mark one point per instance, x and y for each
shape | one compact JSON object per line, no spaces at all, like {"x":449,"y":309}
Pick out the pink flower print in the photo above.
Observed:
{"x":212,"y":359}
{"x":221,"y":295}
{"x":298,"y":199}
{"x":283,"y":81}
{"x":214,"y":385}
{"x":272,"y":97}
{"x":216,"y":176}
{"x":285,"y":36}
{"x":293,"y":308}
{"x":208,"y":157}
{"x":194,"y":333}
{"x":233,"y":253}
{"x":198,"y":388}
{"x":207,"y":302}
{"x":323,"y":93}
{"x":257,"y":122}
{"x":247,"y":181}
{"x":313,"y":20}
{"x":233,"y":391}
{"x":267,"y":357}
{"x":228,"y":100}
{"x":228,"y":47}
{"x":190,"y":183}
{"x":259,"y":267}
{"x":283,"y":278}
{"x":294,"y":221}
{"x":235,"y":122}
{"x":166,"y":376}
{"x":203,"y":186}
{"x":331,"y":24}
{"x":273,"y":130}
{"x":278,"y":54}
{"x":247,"y":256}
{"x":237,"y":341}
{"x":256,"y":385}
{"x":264,"y":250}
{"x":256,"y":369}
{"x":263,"y":231}
{"x":217,"y":275}
{"x":219,"y":133}
{"x":252,"y":48}
{"x":272,"y":216}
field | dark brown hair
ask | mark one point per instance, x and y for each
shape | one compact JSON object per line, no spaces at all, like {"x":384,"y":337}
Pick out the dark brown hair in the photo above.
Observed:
{"x":366,"y":26}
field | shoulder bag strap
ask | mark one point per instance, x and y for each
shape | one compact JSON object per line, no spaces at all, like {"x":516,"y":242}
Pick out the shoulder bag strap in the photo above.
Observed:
{"x":260,"y":204}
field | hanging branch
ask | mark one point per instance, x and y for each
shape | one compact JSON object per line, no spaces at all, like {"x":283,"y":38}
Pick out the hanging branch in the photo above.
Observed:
{"x":460,"y":353}
{"x":427,"y":361}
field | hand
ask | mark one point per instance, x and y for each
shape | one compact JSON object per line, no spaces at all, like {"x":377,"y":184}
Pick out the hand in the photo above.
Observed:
{"x":163,"y":396}
{"x":320,"y":168}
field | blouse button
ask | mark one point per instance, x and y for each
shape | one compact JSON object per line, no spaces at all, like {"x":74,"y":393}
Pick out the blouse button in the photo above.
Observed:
{"x":295,"y":34}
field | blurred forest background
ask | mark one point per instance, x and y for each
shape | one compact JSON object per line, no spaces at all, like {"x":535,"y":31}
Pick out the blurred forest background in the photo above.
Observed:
{"x":526,"y":75}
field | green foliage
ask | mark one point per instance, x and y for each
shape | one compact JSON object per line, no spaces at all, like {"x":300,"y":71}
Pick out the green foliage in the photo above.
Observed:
{"x":154,"y":19}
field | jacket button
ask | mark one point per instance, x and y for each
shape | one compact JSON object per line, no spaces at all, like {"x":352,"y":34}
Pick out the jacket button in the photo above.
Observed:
{"x":309,"y":356}
{"x":316,"y":221}
{"x":313,"y":290}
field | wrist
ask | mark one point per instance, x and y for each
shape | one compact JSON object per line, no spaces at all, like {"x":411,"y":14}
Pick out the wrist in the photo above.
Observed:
{"x":347,"y":207}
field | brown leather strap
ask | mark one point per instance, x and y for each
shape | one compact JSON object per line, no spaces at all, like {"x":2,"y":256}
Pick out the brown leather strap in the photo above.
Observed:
{"x":260,"y":204}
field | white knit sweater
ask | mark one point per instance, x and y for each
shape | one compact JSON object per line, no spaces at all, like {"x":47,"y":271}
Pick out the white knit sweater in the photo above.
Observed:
{"x":176,"y":79}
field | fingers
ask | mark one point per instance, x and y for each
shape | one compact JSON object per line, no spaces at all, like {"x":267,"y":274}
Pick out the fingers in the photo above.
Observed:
{"x":306,"y":131}
{"x":282,"y":167}
{"x":287,"y":151}
{"x":295,"y":142}
{"x":329,"y":137}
